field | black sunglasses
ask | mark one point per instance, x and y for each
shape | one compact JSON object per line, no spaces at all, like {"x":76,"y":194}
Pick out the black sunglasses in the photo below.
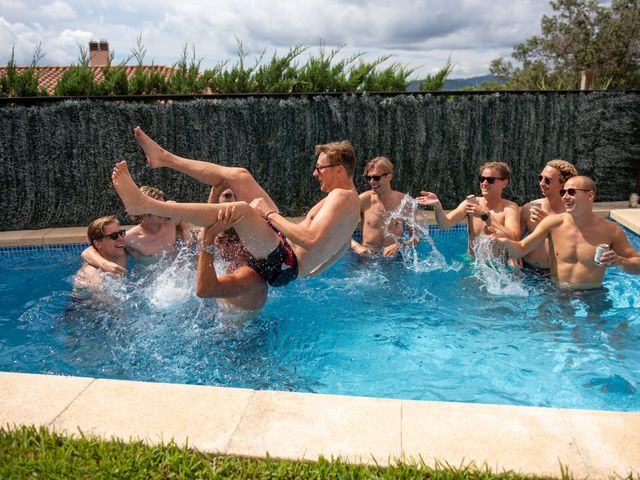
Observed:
{"x":547,"y":180}
{"x":490,"y":180}
{"x":114,"y":235}
{"x":322,"y":167}
{"x":375,"y":177}
{"x":572,"y":191}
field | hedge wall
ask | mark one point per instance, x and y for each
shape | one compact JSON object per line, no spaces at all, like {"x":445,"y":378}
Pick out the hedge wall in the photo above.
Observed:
{"x":55,"y":161}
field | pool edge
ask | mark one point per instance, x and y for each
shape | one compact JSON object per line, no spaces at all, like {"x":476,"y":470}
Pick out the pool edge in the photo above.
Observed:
{"x":529,"y":440}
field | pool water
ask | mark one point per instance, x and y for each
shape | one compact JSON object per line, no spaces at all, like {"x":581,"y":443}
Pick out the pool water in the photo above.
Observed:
{"x":430,"y":326}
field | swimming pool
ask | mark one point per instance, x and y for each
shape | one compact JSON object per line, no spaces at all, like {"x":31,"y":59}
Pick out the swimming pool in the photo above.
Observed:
{"x":428,"y":328}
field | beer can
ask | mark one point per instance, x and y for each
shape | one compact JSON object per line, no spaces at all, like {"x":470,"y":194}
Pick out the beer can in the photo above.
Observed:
{"x":471,"y":199}
{"x":536,"y":205}
{"x":600,"y":249}
{"x":633,"y":200}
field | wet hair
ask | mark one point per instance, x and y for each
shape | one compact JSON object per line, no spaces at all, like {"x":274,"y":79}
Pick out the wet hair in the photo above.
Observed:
{"x":152,"y":192}
{"x":340,"y":153}
{"x":95,"y":229}
{"x":585,"y":182}
{"x":566,"y":169}
{"x":503,"y":168}
{"x":384,"y":162}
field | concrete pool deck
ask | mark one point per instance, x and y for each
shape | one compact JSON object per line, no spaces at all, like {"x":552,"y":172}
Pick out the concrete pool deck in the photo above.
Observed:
{"x":531,"y":440}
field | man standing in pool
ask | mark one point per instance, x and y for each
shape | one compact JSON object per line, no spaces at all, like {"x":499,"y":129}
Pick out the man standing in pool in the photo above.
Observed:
{"x":380,"y":232}
{"x":551,"y":179}
{"x":573,"y":237}
{"x":491,"y":210}
{"x":106,"y":236}
{"x":282,"y":249}
{"x":241,"y":286}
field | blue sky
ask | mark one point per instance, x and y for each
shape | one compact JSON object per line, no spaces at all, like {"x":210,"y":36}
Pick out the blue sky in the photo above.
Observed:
{"x":421,"y":34}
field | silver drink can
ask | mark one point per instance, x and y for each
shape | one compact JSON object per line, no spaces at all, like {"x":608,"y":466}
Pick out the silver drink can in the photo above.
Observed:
{"x":471,"y":199}
{"x":536,"y":205}
{"x":633,"y":200}
{"x":600,"y":249}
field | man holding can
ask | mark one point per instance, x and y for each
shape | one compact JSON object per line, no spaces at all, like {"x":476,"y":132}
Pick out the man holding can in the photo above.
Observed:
{"x":551,"y":180}
{"x":574,"y":237}
{"x":490,"y":210}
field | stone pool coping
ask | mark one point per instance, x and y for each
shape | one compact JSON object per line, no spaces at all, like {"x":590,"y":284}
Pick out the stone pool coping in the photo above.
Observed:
{"x":232,"y":421}
{"x":531,"y":440}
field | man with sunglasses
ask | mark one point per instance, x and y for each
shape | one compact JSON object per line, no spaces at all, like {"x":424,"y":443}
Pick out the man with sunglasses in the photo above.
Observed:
{"x":107,"y":237}
{"x":146,"y":242}
{"x":282,"y":249}
{"x":573,"y":237}
{"x":380,"y":232}
{"x":240,"y":286}
{"x":551,"y":180}
{"x":490,"y":210}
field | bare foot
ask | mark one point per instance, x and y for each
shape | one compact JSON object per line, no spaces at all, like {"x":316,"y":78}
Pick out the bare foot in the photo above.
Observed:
{"x":156,"y":155}
{"x":132,"y":198}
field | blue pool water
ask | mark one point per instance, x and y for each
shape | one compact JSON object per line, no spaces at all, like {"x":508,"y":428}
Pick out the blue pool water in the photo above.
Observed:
{"x":426,"y":327}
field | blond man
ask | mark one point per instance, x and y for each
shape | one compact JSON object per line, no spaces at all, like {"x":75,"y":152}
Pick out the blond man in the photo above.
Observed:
{"x":380,"y":232}
{"x":551,"y":181}
{"x":489,"y":210}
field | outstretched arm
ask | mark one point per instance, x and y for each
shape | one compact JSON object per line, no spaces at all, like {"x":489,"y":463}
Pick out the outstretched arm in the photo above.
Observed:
{"x":445,"y":220}
{"x":531,"y":242}
{"x":308,"y":234}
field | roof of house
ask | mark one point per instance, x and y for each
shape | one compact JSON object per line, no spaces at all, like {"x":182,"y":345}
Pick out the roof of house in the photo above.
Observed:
{"x":48,"y":77}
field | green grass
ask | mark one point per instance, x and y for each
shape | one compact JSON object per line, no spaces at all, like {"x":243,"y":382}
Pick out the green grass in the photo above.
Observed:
{"x":30,"y":453}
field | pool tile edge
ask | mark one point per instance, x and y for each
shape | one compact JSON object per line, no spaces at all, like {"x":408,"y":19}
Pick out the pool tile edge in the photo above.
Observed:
{"x":245,"y":422}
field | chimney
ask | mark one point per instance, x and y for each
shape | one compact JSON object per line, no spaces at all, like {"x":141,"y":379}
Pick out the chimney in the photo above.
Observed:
{"x":98,"y":53}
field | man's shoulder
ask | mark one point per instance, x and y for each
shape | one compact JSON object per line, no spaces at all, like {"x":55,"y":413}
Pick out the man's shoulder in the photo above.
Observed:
{"x":508,"y":204}
{"x":528,"y":204}
{"x":343,"y":194}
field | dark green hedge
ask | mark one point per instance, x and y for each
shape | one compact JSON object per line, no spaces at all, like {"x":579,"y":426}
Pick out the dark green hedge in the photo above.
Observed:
{"x":55,"y":161}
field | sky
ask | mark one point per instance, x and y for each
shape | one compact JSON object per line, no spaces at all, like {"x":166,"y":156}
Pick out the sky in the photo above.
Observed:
{"x":420,"y":34}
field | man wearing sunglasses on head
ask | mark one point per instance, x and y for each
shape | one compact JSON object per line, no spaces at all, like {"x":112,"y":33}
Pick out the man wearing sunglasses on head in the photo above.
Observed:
{"x":573,"y":237}
{"x":380,"y":232}
{"x":240,"y":286}
{"x":146,"y":242}
{"x":107,"y":238}
{"x":551,"y":180}
{"x":490,"y":210}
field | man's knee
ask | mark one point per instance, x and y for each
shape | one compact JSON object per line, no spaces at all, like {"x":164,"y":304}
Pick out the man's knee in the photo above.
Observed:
{"x":239,"y":174}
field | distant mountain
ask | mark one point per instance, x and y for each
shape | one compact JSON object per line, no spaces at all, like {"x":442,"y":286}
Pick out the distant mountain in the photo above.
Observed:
{"x":458,"y":83}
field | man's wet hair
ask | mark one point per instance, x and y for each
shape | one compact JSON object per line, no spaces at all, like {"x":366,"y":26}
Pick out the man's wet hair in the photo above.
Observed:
{"x":340,"y":153}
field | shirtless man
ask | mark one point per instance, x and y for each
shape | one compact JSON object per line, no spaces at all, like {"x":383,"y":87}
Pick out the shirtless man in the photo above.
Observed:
{"x":152,"y":237}
{"x":490,"y":210}
{"x":281,"y":249}
{"x":107,"y":238}
{"x":551,"y":179}
{"x":573,"y":237}
{"x":379,"y":231}
{"x":241,"y":286}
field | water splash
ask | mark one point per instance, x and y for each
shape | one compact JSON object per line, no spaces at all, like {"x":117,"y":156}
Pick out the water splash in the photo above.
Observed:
{"x":172,"y":285}
{"x":408,"y":213}
{"x":492,"y":271}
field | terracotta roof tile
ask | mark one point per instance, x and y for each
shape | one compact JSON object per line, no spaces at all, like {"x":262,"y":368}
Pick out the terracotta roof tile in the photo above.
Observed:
{"x":48,"y":77}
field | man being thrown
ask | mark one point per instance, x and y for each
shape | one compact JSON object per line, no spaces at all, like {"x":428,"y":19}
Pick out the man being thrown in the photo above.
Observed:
{"x":107,"y":237}
{"x":491,"y":210}
{"x":305,"y":248}
{"x":573,"y":237}
{"x":241,"y":286}
{"x":379,"y":231}
{"x":551,"y":179}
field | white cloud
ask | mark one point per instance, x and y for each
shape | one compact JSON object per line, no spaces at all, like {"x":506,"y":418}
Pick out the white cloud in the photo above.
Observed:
{"x":58,"y":10}
{"x":420,"y":32}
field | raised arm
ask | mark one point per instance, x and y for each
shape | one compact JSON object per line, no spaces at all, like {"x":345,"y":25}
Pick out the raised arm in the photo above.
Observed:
{"x":356,"y":246}
{"x":511,"y":227}
{"x":531,"y":242}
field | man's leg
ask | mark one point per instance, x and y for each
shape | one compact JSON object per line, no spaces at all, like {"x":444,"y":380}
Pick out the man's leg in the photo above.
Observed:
{"x":255,"y":233}
{"x":238,"y":179}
